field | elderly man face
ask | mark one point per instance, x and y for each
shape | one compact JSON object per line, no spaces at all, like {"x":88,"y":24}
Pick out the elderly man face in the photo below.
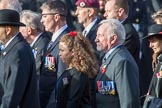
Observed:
{"x":83,"y":15}
{"x":103,"y":42}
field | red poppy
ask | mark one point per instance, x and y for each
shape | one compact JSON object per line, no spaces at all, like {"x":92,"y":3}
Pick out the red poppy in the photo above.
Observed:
{"x":73,"y":33}
{"x":103,"y":69}
{"x":159,"y":74}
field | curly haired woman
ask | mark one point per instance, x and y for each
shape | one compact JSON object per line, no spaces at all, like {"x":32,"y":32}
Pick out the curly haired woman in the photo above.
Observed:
{"x":76,"y":86}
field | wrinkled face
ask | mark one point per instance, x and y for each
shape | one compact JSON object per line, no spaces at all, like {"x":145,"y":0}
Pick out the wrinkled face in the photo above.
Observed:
{"x":82,"y":15}
{"x":65,"y":54}
{"x":3,"y":34}
{"x":102,"y":40}
{"x":24,"y":32}
{"x":155,"y":44}
{"x":48,"y":20}
{"x":111,"y":12}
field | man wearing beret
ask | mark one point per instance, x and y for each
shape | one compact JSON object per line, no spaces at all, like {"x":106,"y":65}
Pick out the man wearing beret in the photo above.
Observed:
{"x":87,"y":14}
{"x":18,"y":74}
{"x":87,"y":11}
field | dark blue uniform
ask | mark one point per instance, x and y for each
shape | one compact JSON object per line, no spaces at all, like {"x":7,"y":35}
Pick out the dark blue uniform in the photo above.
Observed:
{"x":52,"y":68}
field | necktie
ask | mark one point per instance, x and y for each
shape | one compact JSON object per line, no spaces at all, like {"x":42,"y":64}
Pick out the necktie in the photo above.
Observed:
{"x":50,"y":44}
{"x":2,"y":47}
{"x":103,"y":60}
{"x":84,"y":33}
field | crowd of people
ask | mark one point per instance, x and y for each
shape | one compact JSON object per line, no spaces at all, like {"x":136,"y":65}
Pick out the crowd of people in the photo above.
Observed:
{"x":80,"y":53}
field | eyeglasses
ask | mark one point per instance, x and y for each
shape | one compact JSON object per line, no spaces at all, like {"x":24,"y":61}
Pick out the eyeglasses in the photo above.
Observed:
{"x":52,"y":14}
{"x":49,"y":13}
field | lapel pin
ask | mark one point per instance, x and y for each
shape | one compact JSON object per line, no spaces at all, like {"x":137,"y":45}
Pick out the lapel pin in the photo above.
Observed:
{"x":4,"y":53}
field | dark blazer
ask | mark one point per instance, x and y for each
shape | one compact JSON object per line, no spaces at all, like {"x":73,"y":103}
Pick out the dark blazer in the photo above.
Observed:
{"x":40,"y":46}
{"x":121,"y":69}
{"x":73,"y":90}
{"x":132,"y":42}
{"x":91,"y":36}
{"x":18,"y":76}
{"x":48,"y":77}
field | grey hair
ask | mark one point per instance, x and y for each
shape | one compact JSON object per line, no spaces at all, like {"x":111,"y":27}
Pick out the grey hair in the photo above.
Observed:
{"x":32,"y":19}
{"x":115,"y":27}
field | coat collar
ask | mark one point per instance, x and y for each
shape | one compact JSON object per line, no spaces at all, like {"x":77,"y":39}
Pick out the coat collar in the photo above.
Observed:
{"x":17,"y":39}
{"x":58,"y":39}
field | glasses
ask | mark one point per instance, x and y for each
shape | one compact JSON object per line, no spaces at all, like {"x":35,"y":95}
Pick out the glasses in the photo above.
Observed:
{"x":52,"y":14}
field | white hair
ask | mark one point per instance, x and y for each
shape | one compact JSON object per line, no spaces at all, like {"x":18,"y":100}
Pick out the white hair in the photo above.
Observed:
{"x":115,"y":27}
{"x":32,"y":19}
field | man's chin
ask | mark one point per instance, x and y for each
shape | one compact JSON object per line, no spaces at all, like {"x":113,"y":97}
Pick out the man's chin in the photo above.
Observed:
{"x":99,"y":49}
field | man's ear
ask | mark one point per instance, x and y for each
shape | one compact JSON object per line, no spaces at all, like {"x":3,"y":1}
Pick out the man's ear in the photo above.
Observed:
{"x":56,"y":17}
{"x":121,"y":11}
{"x":29,"y":30}
{"x":8,"y":30}
{"x":114,"y":39}
{"x":91,"y":11}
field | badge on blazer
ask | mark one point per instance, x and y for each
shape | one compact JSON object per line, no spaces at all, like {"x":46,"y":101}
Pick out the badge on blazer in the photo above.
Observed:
{"x":65,"y":81}
{"x":103,"y":69}
{"x":106,"y":87}
{"x":50,"y":62}
{"x":35,"y":51}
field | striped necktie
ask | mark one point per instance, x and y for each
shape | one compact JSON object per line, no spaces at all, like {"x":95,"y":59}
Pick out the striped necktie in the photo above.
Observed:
{"x":103,"y":60}
{"x":84,"y":33}
{"x":50,"y":44}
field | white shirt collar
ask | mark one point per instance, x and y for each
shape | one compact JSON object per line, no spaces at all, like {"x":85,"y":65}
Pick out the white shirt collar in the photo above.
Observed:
{"x":10,"y":40}
{"x":57,"y":33}
{"x":88,"y":28}
{"x":110,"y":51}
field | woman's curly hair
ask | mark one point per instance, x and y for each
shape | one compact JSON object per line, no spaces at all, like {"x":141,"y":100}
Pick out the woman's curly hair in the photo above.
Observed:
{"x":84,"y":59}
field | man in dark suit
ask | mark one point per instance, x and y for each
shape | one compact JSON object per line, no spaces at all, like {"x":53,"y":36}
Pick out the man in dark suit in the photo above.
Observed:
{"x":35,"y":36}
{"x":54,"y":19}
{"x":87,"y":11}
{"x":87,"y":14}
{"x":18,"y":71}
{"x":118,"y":9}
{"x":117,"y":81}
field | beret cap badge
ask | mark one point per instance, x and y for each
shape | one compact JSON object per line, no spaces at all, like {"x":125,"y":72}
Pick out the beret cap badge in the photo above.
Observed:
{"x":82,"y":4}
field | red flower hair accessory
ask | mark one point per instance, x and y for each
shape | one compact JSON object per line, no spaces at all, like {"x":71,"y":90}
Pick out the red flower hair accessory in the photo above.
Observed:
{"x":72,"y":33}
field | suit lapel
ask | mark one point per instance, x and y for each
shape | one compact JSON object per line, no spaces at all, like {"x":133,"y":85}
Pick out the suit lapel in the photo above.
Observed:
{"x":57,"y":40}
{"x":93,"y":29}
{"x":107,"y":62}
{"x":38,"y":41}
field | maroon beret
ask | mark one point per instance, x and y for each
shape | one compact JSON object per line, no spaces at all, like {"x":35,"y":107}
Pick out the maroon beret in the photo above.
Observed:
{"x":87,"y":3}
